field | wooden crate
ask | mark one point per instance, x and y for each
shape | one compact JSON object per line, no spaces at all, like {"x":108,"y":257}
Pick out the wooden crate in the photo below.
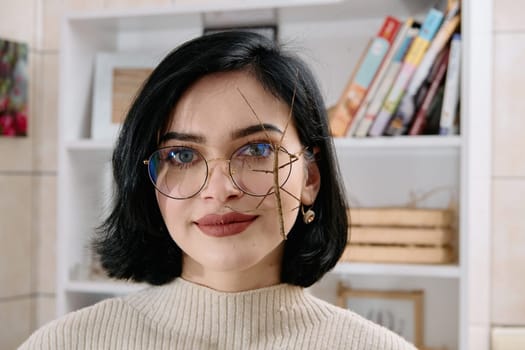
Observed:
{"x":398,"y":254}
{"x":400,"y":235}
{"x":400,"y":217}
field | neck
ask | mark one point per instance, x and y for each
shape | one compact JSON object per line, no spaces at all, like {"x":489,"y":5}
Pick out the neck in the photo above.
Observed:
{"x":266,"y":273}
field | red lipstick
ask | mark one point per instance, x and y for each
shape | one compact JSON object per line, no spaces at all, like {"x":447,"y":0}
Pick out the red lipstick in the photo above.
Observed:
{"x":224,"y":225}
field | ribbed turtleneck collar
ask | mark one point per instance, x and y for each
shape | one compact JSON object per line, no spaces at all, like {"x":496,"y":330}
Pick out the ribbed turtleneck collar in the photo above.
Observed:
{"x":188,"y":308}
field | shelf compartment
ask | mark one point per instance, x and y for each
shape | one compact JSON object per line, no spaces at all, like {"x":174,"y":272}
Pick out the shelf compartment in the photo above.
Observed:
{"x":90,"y":145}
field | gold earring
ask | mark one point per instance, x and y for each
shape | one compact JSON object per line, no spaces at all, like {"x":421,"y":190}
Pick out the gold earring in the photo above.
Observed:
{"x":308,"y":216}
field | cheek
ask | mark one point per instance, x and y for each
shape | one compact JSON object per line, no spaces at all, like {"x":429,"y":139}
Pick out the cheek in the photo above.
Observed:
{"x":293,"y":188}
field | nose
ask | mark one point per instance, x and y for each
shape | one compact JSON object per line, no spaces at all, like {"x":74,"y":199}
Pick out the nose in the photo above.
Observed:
{"x":219,"y":184}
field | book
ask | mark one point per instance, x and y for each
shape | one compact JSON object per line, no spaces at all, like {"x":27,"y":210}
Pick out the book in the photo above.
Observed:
{"x":436,"y":78}
{"x":380,"y":75}
{"x":451,"y":92}
{"x":338,"y":125}
{"x":371,"y":111}
{"x":354,"y":93}
{"x":403,"y":117}
{"x":413,"y":57}
{"x":434,"y":113}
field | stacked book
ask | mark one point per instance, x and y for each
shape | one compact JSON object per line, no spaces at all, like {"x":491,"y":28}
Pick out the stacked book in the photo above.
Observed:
{"x":406,"y":81}
{"x":400,"y":235}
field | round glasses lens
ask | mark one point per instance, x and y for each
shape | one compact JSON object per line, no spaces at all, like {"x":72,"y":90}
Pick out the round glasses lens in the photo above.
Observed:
{"x":177,"y":172}
{"x":252,"y":168}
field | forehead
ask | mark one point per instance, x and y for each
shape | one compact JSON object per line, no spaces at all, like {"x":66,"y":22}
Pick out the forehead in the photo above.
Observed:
{"x":227,"y":100}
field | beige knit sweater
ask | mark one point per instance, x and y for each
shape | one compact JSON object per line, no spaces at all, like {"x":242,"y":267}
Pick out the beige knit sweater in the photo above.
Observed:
{"x":183,"y":315}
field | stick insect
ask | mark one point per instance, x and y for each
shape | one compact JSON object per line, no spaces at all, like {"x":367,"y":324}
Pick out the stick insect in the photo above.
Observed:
{"x":276,"y":188}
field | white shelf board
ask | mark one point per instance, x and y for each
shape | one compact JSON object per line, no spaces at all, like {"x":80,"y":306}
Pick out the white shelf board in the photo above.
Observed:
{"x":412,"y":142}
{"x":104,"y":287}
{"x":408,"y":270}
{"x":90,"y":145}
{"x":181,"y":7}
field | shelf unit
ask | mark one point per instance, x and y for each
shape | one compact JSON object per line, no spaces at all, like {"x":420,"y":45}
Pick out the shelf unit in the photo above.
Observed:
{"x":330,"y":35}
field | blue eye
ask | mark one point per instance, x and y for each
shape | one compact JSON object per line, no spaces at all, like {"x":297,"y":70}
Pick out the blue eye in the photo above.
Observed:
{"x":181,"y":156}
{"x":256,"y":150}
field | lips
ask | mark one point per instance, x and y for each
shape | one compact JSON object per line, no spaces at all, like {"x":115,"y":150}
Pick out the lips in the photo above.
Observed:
{"x":224,"y":225}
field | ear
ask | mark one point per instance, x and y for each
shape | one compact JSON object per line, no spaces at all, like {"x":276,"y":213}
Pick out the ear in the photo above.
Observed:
{"x":312,"y":181}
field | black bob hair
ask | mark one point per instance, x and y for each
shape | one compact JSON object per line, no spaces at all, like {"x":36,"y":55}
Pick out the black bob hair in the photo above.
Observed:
{"x":133,"y":241}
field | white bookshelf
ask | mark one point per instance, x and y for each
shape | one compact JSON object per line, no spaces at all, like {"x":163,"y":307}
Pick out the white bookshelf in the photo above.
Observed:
{"x":330,"y":35}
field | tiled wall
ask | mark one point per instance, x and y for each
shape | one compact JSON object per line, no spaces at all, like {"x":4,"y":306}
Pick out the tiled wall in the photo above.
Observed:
{"x":24,"y":172}
{"x":508,"y":185}
{"x":28,"y":168}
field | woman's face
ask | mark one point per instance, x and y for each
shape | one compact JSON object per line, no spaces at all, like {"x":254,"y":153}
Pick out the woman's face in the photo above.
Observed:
{"x":232,"y":240}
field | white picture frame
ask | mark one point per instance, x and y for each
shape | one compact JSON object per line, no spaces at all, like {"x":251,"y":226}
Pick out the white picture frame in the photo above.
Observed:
{"x":103,"y":126}
{"x":400,"y":311}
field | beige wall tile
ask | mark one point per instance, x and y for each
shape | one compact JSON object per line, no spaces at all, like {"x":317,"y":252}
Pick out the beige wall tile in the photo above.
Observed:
{"x":134,"y":3}
{"x":82,"y":5}
{"x":508,"y":338}
{"x":15,"y":235}
{"x":44,"y":310}
{"x":18,"y":21}
{"x":49,"y":36}
{"x":16,"y":153}
{"x":15,"y":321}
{"x":45,"y":113}
{"x":44,"y":234}
{"x":508,"y":119}
{"x":508,"y":252}
{"x":508,"y":15}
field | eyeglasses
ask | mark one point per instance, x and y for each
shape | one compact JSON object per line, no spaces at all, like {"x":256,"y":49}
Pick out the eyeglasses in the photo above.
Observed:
{"x":181,"y":172}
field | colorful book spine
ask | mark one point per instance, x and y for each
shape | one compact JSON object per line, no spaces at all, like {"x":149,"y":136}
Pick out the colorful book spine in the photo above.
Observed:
{"x":451,"y":93}
{"x":406,"y":110}
{"x":381,"y":73}
{"x":354,"y":95}
{"x":393,"y":69}
{"x":436,"y":79}
{"x":414,"y":56}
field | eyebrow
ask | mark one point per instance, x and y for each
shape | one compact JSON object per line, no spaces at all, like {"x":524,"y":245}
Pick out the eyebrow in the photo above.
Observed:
{"x":254,"y":129}
{"x":236,"y":134}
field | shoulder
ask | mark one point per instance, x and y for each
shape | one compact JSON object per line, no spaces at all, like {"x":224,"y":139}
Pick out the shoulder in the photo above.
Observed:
{"x":76,"y":328}
{"x":346,"y":329}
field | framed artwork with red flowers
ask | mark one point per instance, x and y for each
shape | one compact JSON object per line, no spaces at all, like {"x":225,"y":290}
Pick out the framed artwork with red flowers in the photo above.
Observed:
{"x":13,"y":88}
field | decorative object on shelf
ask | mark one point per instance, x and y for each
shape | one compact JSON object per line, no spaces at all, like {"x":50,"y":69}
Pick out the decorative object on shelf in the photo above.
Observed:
{"x":118,"y":76}
{"x":13,"y":88}
{"x":399,"y":311}
{"x":269,"y":31}
{"x":400,"y":235}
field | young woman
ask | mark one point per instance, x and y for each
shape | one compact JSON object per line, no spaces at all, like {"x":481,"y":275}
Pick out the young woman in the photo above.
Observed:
{"x":229,"y":201}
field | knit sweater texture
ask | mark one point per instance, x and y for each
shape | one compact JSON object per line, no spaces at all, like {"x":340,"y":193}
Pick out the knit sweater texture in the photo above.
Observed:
{"x":183,"y":315}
